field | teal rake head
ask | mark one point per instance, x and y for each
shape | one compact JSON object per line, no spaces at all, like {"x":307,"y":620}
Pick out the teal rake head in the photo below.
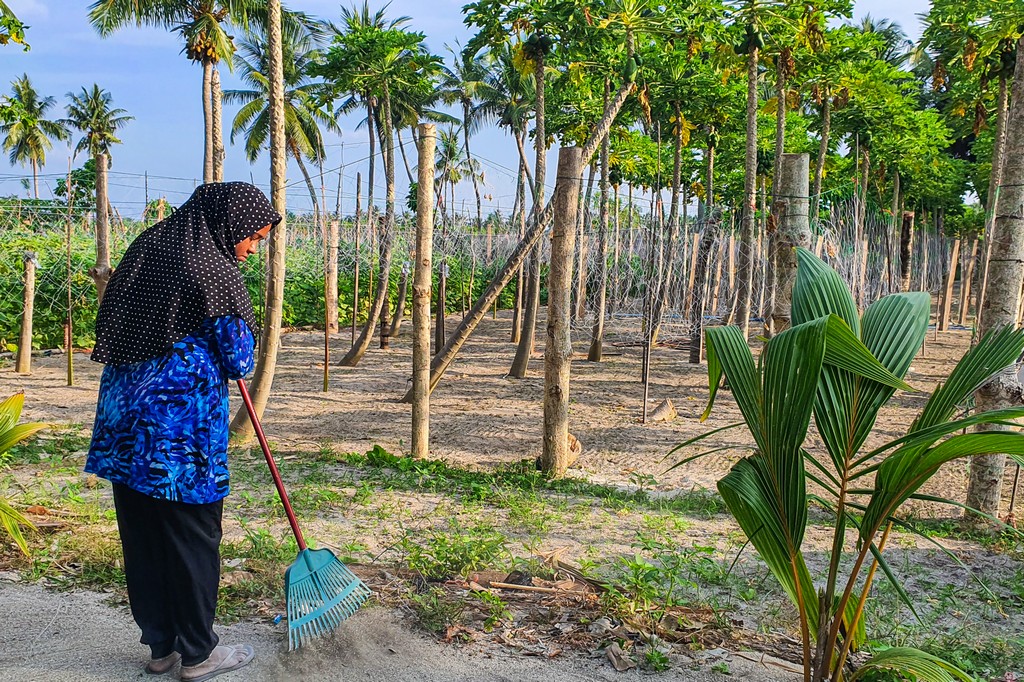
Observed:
{"x":321,"y":593}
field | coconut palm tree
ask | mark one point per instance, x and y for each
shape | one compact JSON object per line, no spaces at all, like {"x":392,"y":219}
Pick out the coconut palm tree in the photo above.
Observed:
{"x":270,"y":339}
{"x":29,"y":135}
{"x":509,"y":98}
{"x":203,"y":26}
{"x":353,"y":21}
{"x":91,"y":113}
{"x":896,"y":46}
{"x":374,"y":65}
{"x":464,"y":83}
{"x":304,"y":120}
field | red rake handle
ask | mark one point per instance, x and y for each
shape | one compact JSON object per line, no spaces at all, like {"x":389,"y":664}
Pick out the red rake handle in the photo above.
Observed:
{"x":272,"y":464}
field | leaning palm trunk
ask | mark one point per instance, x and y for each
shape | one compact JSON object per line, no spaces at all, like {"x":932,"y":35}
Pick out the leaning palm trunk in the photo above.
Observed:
{"x":270,"y":342}
{"x":597,"y":335}
{"x":843,"y":369}
{"x":1003,"y":293}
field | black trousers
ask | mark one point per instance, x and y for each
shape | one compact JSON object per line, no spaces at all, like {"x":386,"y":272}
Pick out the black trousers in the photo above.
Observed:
{"x":172,"y":564}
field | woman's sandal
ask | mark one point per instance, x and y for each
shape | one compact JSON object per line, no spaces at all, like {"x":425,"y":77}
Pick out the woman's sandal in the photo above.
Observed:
{"x":160,"y":666}
{"x":223,"y":659}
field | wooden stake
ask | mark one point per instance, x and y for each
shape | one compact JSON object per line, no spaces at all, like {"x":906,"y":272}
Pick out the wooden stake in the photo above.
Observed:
{"x":965,"y":284}
{"x":358,"y":227}
{"x":421,"y":286}
{"x":942,"y":323}
{"x":69,"y":328}
{"x":23,"y":364}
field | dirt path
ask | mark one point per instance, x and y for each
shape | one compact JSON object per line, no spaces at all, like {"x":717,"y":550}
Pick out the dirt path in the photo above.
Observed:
{"x":75,"y":637}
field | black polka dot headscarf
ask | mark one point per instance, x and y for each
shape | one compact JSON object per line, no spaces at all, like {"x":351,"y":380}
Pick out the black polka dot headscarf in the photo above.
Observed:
{"x":180,"y":272}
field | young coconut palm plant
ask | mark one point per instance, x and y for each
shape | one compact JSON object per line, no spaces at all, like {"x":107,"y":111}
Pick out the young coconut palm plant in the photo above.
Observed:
{"x":843,"y":369}
{"x":11,"y":433}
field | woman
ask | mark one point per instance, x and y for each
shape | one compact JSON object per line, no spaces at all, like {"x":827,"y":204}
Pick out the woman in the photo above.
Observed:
{"x":175,"y":325}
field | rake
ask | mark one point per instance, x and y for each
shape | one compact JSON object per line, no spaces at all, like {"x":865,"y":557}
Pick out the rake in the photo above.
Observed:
{"x":320,"y":591}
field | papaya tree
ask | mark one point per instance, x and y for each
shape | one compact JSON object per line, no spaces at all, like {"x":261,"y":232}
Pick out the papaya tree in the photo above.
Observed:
{"x":379,"y":62}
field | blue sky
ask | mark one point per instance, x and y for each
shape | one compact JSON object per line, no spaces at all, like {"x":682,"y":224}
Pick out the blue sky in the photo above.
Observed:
{"x":146,"y":74}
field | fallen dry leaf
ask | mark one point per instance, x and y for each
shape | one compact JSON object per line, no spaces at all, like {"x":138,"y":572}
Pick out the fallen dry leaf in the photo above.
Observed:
{"x":619,"y":659}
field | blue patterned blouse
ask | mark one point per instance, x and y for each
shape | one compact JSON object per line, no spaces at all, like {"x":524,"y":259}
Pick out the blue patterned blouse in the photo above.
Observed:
{"x":162,"y":425}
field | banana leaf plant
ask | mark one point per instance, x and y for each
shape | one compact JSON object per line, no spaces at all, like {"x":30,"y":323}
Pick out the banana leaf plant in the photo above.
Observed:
{"x":11,"y":433}
{"x":842,"y":368}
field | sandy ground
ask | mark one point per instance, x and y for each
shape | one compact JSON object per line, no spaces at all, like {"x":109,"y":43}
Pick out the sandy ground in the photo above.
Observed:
{"x":481,"y":418}
{"x":75,"y":637}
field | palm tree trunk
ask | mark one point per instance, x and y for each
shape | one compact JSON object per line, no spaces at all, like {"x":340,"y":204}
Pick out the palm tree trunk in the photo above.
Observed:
{"x":443,"y":359}
{"x":362,"y":343}
{"x":403,"y":293}
{"x":780,"y":121}
{"x":746,"y":251}
{"x":371,"y":129}
{"x":297,"y":155}
{"x":466,"y":114}
{"x":597,"y":335}
{"x":405,"y":157}
{"x":270,"y":342}
{"x":35,"y":180}
{"x":794,"y":231}
{"x":583,"y":224}
{"x":527,"y":337}
{"x":207,"y":122}
{"x":101,"y":271}
{"x":520,"y":219}
{"x":1002,"y":300}
{"x":698,"y":301}
{"x":994,"y":180}
{"x":819,"y":169}
{"x":216,"y":105}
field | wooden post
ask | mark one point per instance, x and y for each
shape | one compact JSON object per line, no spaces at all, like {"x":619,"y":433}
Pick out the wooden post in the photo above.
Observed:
{"x":862,"y":276}
{"x":693,"y":271}
{"x":23,"y":364}
{"x":965,"y":283}
{"x":69,"y":331}
{"x":421,"y":286}
{"x":718,"y":276}
{"x":356,"y":229}
{"x":555,"y":457}
{"x":906,"y":244}
{"x":947,"y":291}
{"x":794,"y":231}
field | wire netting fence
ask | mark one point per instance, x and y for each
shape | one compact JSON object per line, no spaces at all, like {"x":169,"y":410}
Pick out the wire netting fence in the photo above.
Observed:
{"x":641,"y":257}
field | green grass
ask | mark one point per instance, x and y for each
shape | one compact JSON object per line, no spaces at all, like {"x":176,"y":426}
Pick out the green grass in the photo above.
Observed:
{"x":52,"y":448}
{"x":393,"y":472}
